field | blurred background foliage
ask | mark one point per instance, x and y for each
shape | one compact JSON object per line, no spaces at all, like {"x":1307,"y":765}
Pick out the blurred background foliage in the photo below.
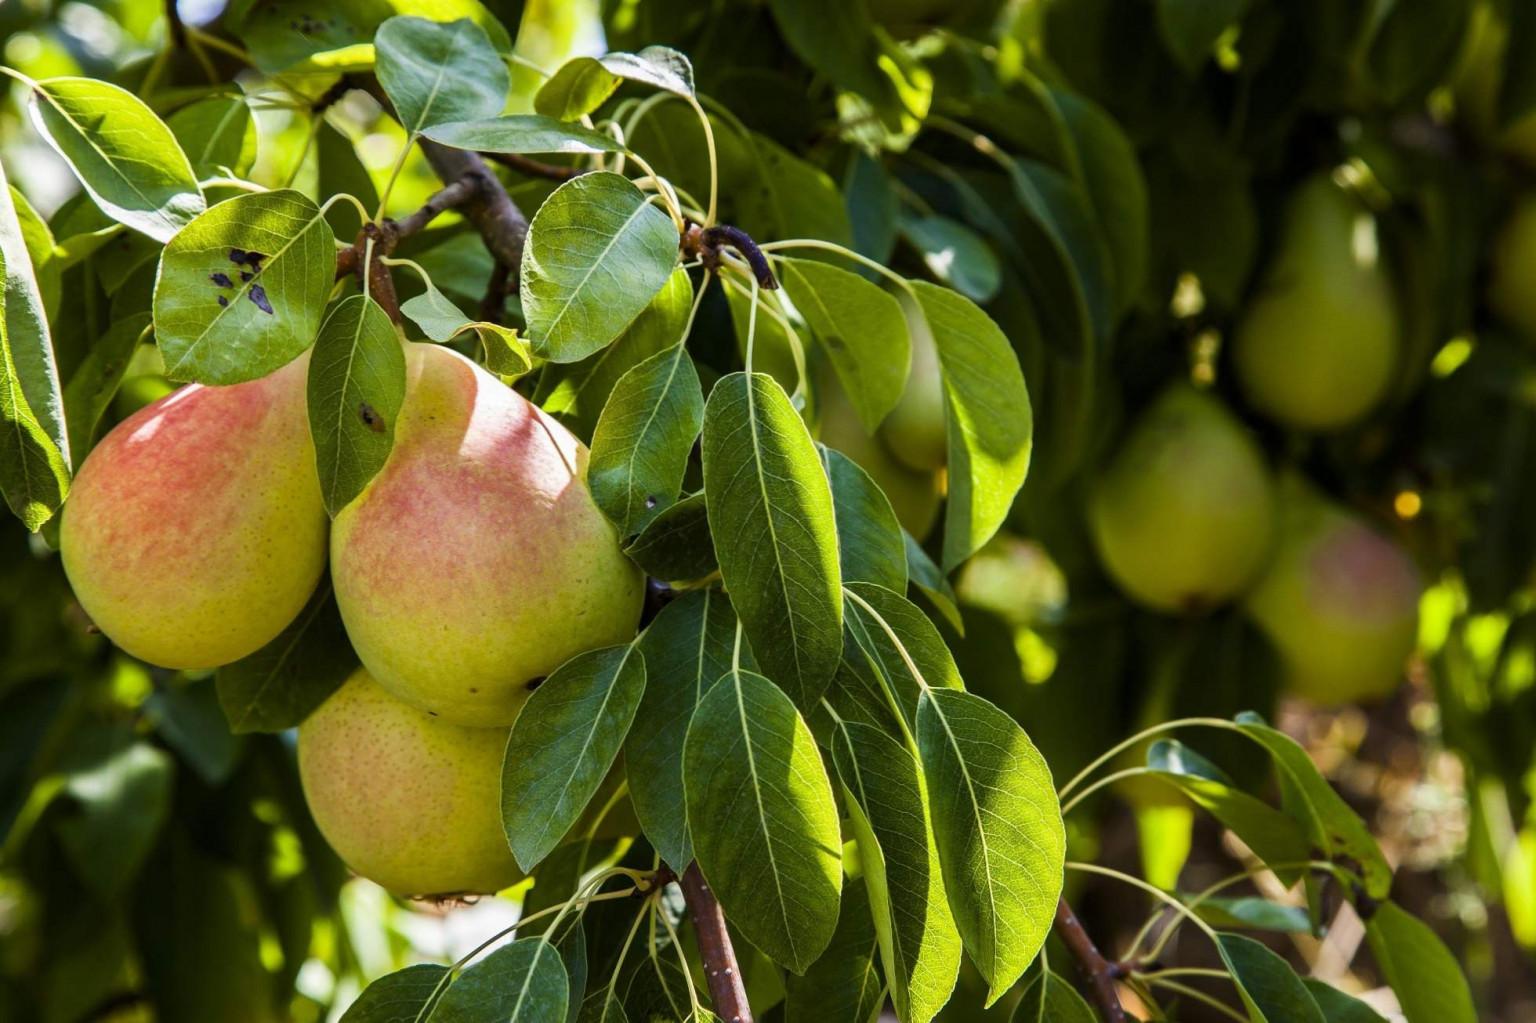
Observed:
{"x":156,"y":866}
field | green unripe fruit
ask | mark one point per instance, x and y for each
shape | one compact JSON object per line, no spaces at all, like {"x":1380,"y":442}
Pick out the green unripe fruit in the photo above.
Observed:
{"x":476,"y":560}
{"x":1339,"y":601}
{"x":1512,"y":282}
{"x":1183,"y":515}
{"x":1318,"y":345}
{"x":194,"y":531}
{"x":916,"y":431}
{"x":407,"y":800}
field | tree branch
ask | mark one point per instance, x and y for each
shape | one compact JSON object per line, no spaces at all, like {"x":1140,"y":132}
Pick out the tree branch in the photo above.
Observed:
{"x":534,"y":168}
{"x":726,"y":989}
{"x":1098,"y":970}
{"x":500,"y":223}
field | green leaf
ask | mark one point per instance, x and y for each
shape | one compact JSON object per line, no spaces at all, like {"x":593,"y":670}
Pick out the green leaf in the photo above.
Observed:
{"x":400,"y":997}
{"x":278,"y":686}
{"x":677,"y":546}
{"x":919,"y":944}
{"x":900,"y":645}
{"x":217,"y":134}
{"x":1306,"y":795}
{"x":355,"y":389}
{"x":435,"y":313}
{"x":578,"y":88}
{"x":523,"y":982}
{"x":763,"y":819}
{"x":1338,"y":1007}
{"x":96,"y":380}
{"x":687,"y":648}
{"x":24,"y":319}
{"x":125,"y":157}
{"x":506,"y":354}
{"x":641,"y":445}
{"x":188,"y":717}
{"x":932,"y":583}
{"x":341,"y":171}
{"x":1051,"y":998}
{"x":770,"y":512}
{"x":660,"y":66}
{"x":954,"y":254}
{"x":862,"y":329}
{"x":563,"y":744}
{"x":869,"y":539}
{"x":597,"y":252}
{"x":121,"y":790}
{"x":1190,"y":28}
{"x":1267,"y":984}
{"x":242,"y":288}
{"x":435,"y":73}
{"x":998,"y":827}
{"x":577,"y":392}
{"x":1423,"y":973}
{"x":841,"y":42}
{"x":523,"y":133}
{"x":793,"y":198}
{"x":844,"y":984}
{"x":990,"y":423}
{"x":1252,"y":912}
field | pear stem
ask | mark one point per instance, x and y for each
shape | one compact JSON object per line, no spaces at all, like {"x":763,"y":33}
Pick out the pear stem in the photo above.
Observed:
{"x":721,"y":969}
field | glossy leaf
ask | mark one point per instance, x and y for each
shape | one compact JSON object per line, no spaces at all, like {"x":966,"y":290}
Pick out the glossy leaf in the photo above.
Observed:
{"x":400,"y":997}
{"x":435,"y":73}
{"x":687,"y":648}
{"x":899,"y":644}
{"x":919,"y":944}
{"x":125,"y":157}
{"x":1424,"y":974}
{"x":990,"y":423}
{"x":523,"y":133}
{"x":218,"y":135}
{"x":643,"y":438}
{"x":355,"y":390}
{"x":793,"y":198}
{"x":998,"y":827}
{"x":931,"y":582}
{"x":242,"y":288}
{"x":845,"y":983}
{"x":121,"y":790}
{"x":1337,"y":1007}
{"x":96,"y":380}
{"x":578,"y":88}
{"x":860,"y":326}
{"x":677,"y":545}
{"x":597,"y":252}
{"x":563,"y":744}
{"x":523,"y":982}
{"x":1253,"y":912}
{"x":660,"y":66}
{"x":278,"y":686}
{"x":763,"y":819}
{"x":1270,"y":989}
{"x":869,"y":539}
{"x":770,"y":512}
{"x":955,"y":254}
{"x":1050,"y":998}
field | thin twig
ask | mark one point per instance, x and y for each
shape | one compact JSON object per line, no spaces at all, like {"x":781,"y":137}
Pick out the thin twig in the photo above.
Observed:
{"x":721,"y":969}
{"x":535,"y":168}
{"x":494,"y":304}
{"x":451,"y":196}
{"x":1098,"y":970}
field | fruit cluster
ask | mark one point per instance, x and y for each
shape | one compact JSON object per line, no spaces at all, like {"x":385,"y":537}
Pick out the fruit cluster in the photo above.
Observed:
{"x":472,"y":566}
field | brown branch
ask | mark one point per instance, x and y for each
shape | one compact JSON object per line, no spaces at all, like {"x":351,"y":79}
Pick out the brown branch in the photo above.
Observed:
{"x":1098,"y":970}
{"x":494,"y":304}
{"x":451,"y":196}
{"x":726,"y":989}
{"x":534,"y":168}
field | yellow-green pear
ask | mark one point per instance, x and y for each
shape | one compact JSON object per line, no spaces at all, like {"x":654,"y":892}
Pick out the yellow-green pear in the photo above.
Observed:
{"x":1339,"y":601}
{"x":1183,"y":515}
{"x":1317,"y":347}
{"x":194,"y":532}
{"x":916,"y":430}
{"x":476,"y":562}
{"x":407,"y":800}
{"x":1512,"y":277}
{"x":914,"y":494}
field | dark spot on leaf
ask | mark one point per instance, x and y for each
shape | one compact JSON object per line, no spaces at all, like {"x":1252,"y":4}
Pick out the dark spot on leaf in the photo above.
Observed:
{"x":650,"y":501}
{"x":370,"y":418}
{"x":833,"y":341}
{"x":258,"y":295}
{"x":473,"y":689}
{"x":246,"y":275}
{"x":534,"y":683}
{"x":245,"y":257}
{"x":222,"y":280}
{"x":223,"y":301}
{"x":432,"y":713}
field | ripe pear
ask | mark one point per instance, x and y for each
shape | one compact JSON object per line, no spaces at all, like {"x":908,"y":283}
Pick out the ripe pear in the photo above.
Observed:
{"x":914,"y":494}
{"x":194,"y":531}
{"x":1339,"y":601}
{"x":916,"y":431}
{"x":1318,"y":345}
{"x":406,"y":800}
{"x":1182,"y":517}
{"x":1512,"y":281}
{"x":476,"y":562}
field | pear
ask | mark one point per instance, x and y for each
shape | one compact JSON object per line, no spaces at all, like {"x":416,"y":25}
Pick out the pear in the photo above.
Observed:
{"x":1318,"y":345}
{"x":1183,"y":514}
{"x":1512,"y":280}
{"x":476,"y":562}
{"x":916,"y":430}
{"x":1339,"y":601}
{"x":194,"y":532}
{"x":407,"y":800}
{"x":914,"y":494}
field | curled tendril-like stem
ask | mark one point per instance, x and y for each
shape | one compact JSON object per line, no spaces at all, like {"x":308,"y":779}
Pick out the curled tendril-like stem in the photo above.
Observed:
{"x":705,"y":244}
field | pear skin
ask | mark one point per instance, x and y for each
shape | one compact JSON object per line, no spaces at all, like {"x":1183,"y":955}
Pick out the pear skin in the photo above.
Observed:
{"x":1317,"y":347}
{"x":407,"y":800}
{"x":194,"y":532}
{"x":1183,"y":515}
{"x":1339,"y":601}
{"x":475,"y":562}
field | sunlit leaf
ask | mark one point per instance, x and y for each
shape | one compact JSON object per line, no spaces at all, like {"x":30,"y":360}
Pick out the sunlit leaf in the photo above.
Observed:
{"x":435,"y":73}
